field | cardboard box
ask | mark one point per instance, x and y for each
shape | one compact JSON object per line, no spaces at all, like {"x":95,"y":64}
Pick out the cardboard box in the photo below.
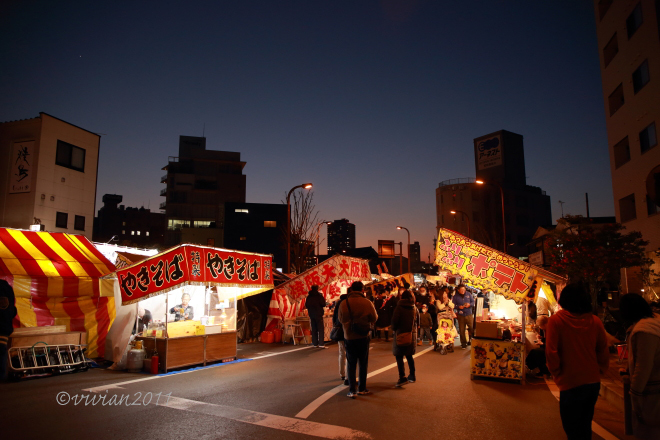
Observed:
{"x":487,"y":329}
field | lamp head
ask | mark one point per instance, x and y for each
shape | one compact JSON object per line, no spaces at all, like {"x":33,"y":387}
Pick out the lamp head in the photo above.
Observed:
{"x":480,"y":182}
{"x":399,"y":227}
{"x":453,"y":212}
{"x":307,"y":185}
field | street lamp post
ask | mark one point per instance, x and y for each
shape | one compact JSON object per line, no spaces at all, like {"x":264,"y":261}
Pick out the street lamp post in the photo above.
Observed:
{"x":481,"y":182}
{"x":401,"y":227}
{"x":466,"y":216}
{"x":288,"y":223}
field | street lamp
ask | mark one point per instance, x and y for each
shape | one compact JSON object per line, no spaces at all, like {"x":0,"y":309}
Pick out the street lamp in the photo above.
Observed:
{"x":466,"y":216}
{"x":481,"y":182}
{"x":401,"y":227}
{"x":318,"y":237}
{"x":288,"y":223}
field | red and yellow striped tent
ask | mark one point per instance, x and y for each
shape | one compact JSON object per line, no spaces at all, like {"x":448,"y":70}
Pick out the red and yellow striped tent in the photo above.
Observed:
{"x":57,"y":281}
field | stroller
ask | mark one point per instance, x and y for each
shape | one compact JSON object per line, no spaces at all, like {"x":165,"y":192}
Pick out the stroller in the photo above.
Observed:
{"x":446,"y":335}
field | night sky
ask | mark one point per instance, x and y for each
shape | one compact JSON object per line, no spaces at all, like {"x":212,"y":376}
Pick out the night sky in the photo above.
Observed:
{"x":373,"y":102}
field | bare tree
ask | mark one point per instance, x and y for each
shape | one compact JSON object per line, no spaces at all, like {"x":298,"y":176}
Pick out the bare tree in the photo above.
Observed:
{"x":304,"y":231}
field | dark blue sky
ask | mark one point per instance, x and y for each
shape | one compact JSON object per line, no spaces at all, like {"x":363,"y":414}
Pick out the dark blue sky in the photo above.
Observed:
{"x":373,"y":102}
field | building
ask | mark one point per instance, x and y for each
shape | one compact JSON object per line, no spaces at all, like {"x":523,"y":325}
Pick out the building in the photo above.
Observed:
{"x":415,"y":257}
{"x":257,"y":227}
{"x":134,"y":227}
{"x":500,"y":165}
{"x":628,"y":34}
{"x":52,"y":168}
{"x":199,"y":183}
{"x":341,"y":236}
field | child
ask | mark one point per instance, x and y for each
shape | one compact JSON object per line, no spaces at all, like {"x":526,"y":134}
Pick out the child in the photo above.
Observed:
{"x":425,"y":324}
{"x":446,"y":334}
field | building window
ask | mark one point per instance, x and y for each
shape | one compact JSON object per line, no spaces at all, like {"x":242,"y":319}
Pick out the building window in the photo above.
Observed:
{"x":243,"y":238}
{"x":123,"y":232}
{"x":174,"y":224}
{"x":138,"y":232}
{"x":70,"y":156}
{"x":202,"y":223}
{"x":627,"y":208}
{"x":146,"y":233}
{"x":79,"y":222}
{"x":621,"y":152}
{"x":634,"y":20}
{"x":641,"y":76}
{"x":270,"y":224}
{"x":603,"y":7}
{"x":610,"y":50}
{"x":123,"y":223}
{"x":616,"y":100}
{"x":651,"y":207}
{"x":647,"y":138}
{"x":61,"y":220}
{"x":241,"y":210}
{"x":132,"y":232}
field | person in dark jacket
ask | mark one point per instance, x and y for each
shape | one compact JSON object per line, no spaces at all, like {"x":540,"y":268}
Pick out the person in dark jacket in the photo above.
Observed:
{"x":315,"y":304}
{"x":341,"y":343}
{"x":405,"y":319}
{"x":357,"y":315}
{"x":425,"y":326}
{"x":7,"y":314}
{"x":384,"y":314}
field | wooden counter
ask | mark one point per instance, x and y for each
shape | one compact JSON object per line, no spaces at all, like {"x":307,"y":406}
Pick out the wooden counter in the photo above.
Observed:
{"x":191,"y":350}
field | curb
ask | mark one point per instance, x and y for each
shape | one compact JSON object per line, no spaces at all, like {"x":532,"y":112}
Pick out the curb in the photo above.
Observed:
{"x":612,"y":393}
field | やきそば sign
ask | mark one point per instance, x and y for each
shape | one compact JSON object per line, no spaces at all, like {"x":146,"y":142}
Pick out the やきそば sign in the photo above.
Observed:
{"x":484,"y":267}
{"x":194,"y":264}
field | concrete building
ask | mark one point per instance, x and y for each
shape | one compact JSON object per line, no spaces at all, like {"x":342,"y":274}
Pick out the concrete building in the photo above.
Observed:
{"x":257,"y":227}
{"x":199,"y":183}
{"x":628,"y":43}
{"x":415,"y":257}
{"x":341,"y":236}
{"x":52,"y":168}
{"x":499,"y":163}
{"x":126,"y":226}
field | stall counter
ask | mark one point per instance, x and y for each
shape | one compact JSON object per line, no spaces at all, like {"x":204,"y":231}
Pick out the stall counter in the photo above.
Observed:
{"x":497,"y":359}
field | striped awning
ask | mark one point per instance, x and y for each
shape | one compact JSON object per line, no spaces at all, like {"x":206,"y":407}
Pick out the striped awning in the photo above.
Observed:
{"x":56,"y":281}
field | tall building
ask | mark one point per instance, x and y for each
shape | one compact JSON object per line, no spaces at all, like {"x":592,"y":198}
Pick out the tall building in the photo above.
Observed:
{"x":628,"y":35}
{"x":126,"y":226}
{"x":257,"y":227}
{"x":415,"y":256}
{"x":199,"y":183}
{"x":500,"y":165}
{"x":52,"y":167}
{"x":341,"y":236}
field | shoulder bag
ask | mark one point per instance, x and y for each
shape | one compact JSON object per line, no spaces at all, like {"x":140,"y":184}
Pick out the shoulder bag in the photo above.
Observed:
{"x":405,"y":339}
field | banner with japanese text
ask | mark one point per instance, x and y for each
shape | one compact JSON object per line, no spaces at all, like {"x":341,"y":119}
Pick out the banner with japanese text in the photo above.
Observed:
{"x":190,"y":264}
{"x":484,"y":267}
{"x":331,"y":275}
{"x":406,"y":281}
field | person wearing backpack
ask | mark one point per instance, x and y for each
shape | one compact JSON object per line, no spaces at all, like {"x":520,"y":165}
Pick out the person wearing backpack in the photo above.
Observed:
{"x":405,"y":321}
{"x":357,"y":315}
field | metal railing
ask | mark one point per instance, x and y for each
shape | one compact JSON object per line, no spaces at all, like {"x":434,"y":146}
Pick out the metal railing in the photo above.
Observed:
{"x":163,"y":192}
{"x":163,"y":178}
{"x":163,"y":205}
{"x":457,"y":181}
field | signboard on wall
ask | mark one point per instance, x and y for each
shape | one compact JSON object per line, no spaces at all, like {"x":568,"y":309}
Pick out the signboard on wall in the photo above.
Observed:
{"x":386,"y":249}
{"x":22,"y":167}
{"x":489,"y":152}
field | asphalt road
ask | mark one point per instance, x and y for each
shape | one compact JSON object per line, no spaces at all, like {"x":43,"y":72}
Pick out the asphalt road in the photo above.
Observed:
{"x":270,"y":394}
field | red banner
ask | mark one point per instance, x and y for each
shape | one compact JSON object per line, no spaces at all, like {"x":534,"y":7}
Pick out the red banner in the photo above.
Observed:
{"x":194,"y":264}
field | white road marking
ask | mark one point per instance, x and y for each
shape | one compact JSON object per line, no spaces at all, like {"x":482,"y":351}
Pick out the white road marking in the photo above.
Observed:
{"x":267,"y":420}
{"x":102,"y":388}
{"x":316,"y":403}
{"x":595,"y":427}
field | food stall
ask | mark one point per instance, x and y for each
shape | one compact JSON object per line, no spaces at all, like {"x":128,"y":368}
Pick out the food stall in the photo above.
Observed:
{"x":504,"y":275}
{"x":191,"y":293}
{"x":406,"y":280}
{"x":333,"y":276}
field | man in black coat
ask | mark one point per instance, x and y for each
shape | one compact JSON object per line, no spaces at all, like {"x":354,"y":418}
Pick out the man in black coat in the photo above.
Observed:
{"x":315,"y":304}
{"x":7,"y":314}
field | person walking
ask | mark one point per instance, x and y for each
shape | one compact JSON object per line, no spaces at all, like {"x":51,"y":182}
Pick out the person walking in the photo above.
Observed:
{"x":405,"y":321}
{"x":340,"y":343}
{"x":425,"y":325}
{"x":463,"y":303}
{"x":315,"y":304}
{"x":576,"y":355}
{"x":643,"y":338}
{"x":357,"y":314}
{"x":7,"y":314}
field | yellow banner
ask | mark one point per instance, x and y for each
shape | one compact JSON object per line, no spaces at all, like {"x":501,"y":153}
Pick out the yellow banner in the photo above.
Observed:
{"x":486,"y":268}
{"x":406,"y":280}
